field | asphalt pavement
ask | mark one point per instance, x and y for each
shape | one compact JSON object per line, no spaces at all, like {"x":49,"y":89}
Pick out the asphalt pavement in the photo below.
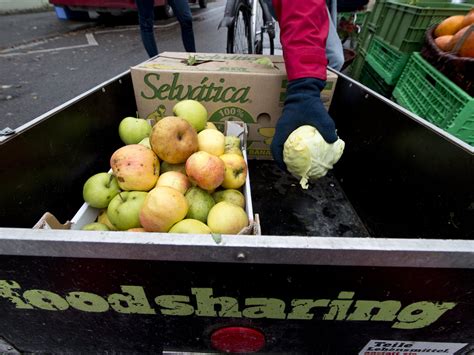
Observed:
{"x":45,"y":61}
{"x":23,"y":28}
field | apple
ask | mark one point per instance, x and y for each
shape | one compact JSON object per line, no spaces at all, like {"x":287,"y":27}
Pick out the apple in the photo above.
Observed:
{"x":227,"y":218}
{"x":99,"y":189}
{"x":165,"y":166}
{"x":124,"y":209}
{"x":190,"y":226}
{"x":146,"y":142}
{"x":192,"y":111}
{"x":136,"y":167}
{"x":104,"y":219}
{"x":173,"y":139}
{"x":95,"y":226}
{"x":138,"y":229}
{"x":235,"y":170}
{"x":211,"y":141}
{"x":210,"y":125}
{"x":132,"y":130}
{"x":200,"y":203}
{"x":232,"y":145}
{"x":176,"y":180}
{"x":230,"y":195}
{"x":163,"y":207}
{"x":205,"y":170}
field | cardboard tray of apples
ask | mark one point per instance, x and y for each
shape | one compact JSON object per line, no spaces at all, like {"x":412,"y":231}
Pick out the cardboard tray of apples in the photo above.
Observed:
{"x":178,"y":175}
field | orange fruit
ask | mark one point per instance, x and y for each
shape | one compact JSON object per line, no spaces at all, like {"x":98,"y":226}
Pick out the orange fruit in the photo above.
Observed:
{"x":449,"y":26}
{"x":444,"y":43}
{"x":467,"y":48}
{"x":468,"y":19}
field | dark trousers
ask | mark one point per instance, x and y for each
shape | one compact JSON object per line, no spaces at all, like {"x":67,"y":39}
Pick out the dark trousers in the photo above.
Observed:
{"x":146,"y":18}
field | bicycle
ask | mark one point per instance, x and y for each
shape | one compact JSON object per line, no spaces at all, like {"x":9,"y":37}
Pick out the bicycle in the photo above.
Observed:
{"x":250,"y":27}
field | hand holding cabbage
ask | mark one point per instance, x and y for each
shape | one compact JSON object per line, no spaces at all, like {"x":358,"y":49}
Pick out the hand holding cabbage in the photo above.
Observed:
{"x":308,"y":156}
{"x":311,"y":152}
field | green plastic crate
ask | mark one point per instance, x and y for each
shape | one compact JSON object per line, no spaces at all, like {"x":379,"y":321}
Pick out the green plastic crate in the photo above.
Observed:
{"x":379,"y":11}
{"x":360,"y":17}
{"x":365,"y":38}
{"x":426,"y":92}
{"x":386,"y":61}
{"x":357,"y":64}
{"x":403,"y":26}
{"x":372,"y":80}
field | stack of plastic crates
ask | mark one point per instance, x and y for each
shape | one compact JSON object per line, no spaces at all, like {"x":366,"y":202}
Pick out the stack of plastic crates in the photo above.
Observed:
{"x":423,"y":90}
{"x":395,"y":29}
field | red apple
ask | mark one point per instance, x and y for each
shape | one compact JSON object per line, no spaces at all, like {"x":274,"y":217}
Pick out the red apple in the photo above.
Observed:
{"x":205,"y":170}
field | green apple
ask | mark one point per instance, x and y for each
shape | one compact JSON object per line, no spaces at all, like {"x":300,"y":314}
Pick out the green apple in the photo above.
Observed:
{"x":200,"y":202}
{"x":124,"y":209}
{"x":192,"y":111}
{"x":146,"y":142}
{"x":95,"y":226}
{"x":232,"y":145}
{"x":132,"y":130}
{"x":100,"y":189}
{"x":230,"y":195}
{"x":190,"y":226}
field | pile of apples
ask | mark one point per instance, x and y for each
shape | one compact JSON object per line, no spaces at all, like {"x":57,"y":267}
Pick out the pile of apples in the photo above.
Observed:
{"x":181,"y":175}
{"x":454,"y":30}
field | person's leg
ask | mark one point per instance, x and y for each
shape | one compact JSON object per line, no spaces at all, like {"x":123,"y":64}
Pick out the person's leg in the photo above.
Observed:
{"x":146,"y":19}
{"x":183,"y":14}
{"x":334,"y":50}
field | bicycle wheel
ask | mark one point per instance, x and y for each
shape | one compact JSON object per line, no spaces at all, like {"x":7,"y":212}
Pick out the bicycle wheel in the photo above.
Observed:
{"x":238,"y":33}
{"x":264,"y":32}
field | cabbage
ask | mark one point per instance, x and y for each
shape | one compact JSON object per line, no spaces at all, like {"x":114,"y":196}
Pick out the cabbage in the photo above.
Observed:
{"x":308,"y":156}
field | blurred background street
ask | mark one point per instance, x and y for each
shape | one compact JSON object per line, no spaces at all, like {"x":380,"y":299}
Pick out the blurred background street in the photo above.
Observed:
{"x":46,"y":61}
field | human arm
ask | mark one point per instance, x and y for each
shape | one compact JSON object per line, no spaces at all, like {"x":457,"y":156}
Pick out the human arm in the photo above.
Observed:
{"x":303,"y":31}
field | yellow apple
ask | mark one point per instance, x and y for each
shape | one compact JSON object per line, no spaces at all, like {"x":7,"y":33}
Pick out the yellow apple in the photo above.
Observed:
{"x":205,"y":170}
{"x":176,"y":180}
{"x":95,"y":226}
{"x":145,"y":142}
{"x":137,"y":229}
{"x":104,"y":219}
{"x":227,"y":218}
{"x":235,"y":170}
{"x":136,"y":167}
{"x":162,"y":208}
{"x":190,"y":226}
{"x":230,"y":195}
{"x":210,"y":125}
{"x":173,"y":139}
{"x":211,"y":141}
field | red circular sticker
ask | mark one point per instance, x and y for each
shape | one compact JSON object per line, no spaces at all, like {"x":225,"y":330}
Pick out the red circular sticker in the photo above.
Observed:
{"x":237,"y":340}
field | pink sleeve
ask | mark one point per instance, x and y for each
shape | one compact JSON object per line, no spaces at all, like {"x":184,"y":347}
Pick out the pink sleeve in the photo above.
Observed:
{"x":304,"y":26}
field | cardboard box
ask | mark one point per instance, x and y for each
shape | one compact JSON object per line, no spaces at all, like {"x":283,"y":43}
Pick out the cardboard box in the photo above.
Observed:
{"x":87,"y":214}
{"x":230,"y":86}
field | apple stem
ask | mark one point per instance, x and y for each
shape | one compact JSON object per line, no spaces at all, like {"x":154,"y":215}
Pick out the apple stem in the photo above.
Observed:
{"x":110,"y":181}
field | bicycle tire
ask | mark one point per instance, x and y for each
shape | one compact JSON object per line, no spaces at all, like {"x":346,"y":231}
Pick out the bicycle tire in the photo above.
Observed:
{"x":240,"y":27}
